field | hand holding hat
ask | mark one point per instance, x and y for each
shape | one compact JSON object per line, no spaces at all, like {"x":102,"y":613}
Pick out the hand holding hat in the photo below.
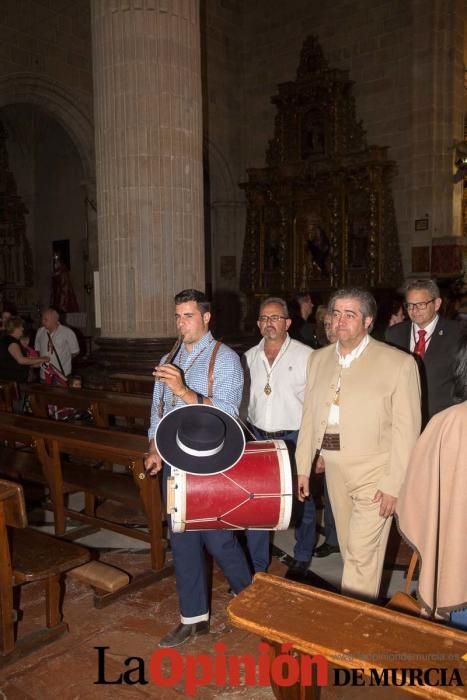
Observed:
{"x":199,"y":439}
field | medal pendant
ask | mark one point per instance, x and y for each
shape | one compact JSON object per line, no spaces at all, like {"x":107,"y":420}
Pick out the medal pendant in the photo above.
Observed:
{"x":267,"y":389}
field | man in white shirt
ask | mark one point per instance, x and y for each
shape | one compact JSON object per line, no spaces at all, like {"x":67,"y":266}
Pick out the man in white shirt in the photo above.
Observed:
{"x":275,"y":377}
{"x":361,"y":415}
{"x":57,"y":341}
{"x":433,"y":340}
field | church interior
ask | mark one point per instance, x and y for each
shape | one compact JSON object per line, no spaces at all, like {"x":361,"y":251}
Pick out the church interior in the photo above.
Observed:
{"x":245,"y":149}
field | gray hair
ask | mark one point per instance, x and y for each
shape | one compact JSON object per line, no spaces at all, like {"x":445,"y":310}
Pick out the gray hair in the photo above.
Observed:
{"x":427,"y":284}
{"x":366,"y":299}
{"x":275,"y":300}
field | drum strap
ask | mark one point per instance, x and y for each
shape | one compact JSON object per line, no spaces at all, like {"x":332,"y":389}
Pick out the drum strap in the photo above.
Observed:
{"x":212,"y":362}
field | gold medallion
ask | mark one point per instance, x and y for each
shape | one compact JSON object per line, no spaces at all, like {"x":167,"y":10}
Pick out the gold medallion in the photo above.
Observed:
{"x":267,"y":389}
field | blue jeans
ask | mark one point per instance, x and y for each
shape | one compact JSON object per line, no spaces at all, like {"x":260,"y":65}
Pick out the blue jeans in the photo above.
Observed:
{"x":330,"y":534}
{"x":459,"y":619}
{"x":305,"y":530}
{"x":190,"y":564}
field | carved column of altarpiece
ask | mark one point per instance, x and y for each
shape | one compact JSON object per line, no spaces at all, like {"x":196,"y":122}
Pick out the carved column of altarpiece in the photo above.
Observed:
{"x":320,"y":214}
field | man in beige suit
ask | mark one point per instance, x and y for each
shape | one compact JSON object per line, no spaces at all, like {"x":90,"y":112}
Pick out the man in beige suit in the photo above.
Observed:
{"x":361,"y":418}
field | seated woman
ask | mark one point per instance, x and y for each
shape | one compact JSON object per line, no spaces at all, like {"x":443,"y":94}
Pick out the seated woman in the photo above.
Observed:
{"x":432,"y":506}
{"x":14,"y":364}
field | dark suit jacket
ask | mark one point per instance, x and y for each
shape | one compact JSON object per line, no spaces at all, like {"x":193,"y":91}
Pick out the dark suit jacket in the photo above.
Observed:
{"x":436,"y":369}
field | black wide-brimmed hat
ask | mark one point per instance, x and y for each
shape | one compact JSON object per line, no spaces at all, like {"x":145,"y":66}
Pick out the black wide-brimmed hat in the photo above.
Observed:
{"x":200,"y":439}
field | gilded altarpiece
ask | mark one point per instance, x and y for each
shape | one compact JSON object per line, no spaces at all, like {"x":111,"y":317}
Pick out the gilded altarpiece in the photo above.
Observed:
{"x":320,"y":214}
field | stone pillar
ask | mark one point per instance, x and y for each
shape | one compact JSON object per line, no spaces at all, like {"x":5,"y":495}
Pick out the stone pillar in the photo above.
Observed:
{"x":147,"y":108}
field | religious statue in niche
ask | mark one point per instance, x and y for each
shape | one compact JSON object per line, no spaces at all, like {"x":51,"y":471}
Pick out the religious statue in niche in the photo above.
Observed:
{"x":358,"y":245}
{"x":272,"y":249}
{"x":313,"y":137}
{"x":63,"y":296}
{"x":316,"y":248}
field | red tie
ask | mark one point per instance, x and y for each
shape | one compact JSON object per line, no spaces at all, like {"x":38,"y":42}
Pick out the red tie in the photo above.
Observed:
{"x":420,"y":345}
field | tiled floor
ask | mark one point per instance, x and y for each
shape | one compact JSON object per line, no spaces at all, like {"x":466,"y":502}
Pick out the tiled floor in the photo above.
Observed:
{"x":68,"y":668}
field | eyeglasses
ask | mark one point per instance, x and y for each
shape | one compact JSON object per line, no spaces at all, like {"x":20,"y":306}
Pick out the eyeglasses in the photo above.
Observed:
{"x":274,"y":319}
{"x":420,"y":305}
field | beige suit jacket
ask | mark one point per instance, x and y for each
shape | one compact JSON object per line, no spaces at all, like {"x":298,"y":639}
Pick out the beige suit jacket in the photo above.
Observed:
{"x":379,"y":409}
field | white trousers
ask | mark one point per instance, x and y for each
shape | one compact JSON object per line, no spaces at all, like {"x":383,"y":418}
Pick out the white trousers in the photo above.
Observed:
{"x":361,"y":531}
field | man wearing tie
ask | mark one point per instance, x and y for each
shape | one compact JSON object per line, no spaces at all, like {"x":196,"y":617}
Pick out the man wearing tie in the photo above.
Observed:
{"x":432,"y":339}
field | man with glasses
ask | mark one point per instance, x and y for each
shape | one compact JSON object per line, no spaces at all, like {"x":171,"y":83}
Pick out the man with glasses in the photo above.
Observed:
{"x":275,"y":377}
{"x":432,"y":339}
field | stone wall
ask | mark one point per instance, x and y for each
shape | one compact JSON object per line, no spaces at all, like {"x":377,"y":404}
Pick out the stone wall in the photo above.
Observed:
{"x":406,"y":58}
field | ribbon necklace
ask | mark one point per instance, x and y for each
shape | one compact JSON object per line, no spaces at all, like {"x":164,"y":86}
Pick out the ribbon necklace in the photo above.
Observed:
{"x":267,"y":387}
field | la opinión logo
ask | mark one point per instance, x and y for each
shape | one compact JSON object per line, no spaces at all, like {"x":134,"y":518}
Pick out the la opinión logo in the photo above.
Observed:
{"x":168,"y":667}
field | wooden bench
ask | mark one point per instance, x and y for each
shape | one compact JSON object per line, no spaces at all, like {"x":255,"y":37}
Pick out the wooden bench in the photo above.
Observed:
{"x":26,"y":556}
{"x":132,"y":383}
{"x":8,"y":394}
{"x":350,"y":634}
{"x":103,"y":405}
{"x":51,"y":439}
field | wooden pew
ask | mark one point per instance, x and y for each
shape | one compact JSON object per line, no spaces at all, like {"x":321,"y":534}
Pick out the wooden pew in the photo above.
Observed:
{"x":26,"y":556}
{"x":52,"y":438}
{"x":103,"y":405}
{"x":8,"y":394}
{"x":350,"y":634}
{"x":132,"y":383}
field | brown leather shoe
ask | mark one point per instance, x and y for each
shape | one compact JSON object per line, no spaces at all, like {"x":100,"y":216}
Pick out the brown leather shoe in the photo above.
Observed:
{"x":182,"y":632}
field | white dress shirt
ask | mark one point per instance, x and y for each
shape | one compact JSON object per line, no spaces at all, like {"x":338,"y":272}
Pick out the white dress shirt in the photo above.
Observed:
{"x":345,"y":361}
{"x":282,"y":408}
{"x":430,"y":329}
{"x":65,"y":343}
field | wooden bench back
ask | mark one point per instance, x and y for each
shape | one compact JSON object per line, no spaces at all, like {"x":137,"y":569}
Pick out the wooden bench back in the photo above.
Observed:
{"x":13,"y":506}
{"x":8,"y":394}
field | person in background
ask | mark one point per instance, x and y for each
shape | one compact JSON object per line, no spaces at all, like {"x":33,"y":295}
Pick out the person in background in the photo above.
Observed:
{"x":302,"y":328}
{"x":390,"y":312}
{"x":6,"y":315}
{"x":58,"y":341}
{"x":432,"y":339}
{"x":14,"y":363}
{"x":432,"y":507}
{"x":29,"y":351}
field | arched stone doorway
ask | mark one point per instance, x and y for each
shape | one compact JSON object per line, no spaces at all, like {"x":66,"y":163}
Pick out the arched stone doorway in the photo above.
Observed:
{"x":50,"y":149}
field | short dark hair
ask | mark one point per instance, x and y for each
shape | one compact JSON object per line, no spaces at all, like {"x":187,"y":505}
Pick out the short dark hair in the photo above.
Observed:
{"x":460,"y":369}
{"x":367,"y":301}
{"x":426,"y":283}
{"x":201,"y":299}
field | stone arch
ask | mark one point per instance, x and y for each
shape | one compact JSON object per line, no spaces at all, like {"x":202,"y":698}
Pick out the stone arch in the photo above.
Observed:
{"x":60,"y":103}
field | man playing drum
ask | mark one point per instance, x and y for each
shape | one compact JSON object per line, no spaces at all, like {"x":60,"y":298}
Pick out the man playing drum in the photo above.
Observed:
{"x":205,"y":372}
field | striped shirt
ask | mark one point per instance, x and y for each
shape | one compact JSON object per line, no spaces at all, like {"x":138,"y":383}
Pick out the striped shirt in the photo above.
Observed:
{"x":227,"y":379}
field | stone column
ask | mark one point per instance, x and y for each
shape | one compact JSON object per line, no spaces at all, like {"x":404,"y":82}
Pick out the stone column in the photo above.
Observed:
{"x":147,"y":108}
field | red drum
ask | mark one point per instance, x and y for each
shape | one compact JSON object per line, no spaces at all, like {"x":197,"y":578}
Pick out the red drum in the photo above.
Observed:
{"x":256,"y":493}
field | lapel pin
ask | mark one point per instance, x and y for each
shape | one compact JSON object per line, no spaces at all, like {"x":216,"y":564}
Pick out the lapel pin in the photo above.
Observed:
{"x":441,"y":333}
